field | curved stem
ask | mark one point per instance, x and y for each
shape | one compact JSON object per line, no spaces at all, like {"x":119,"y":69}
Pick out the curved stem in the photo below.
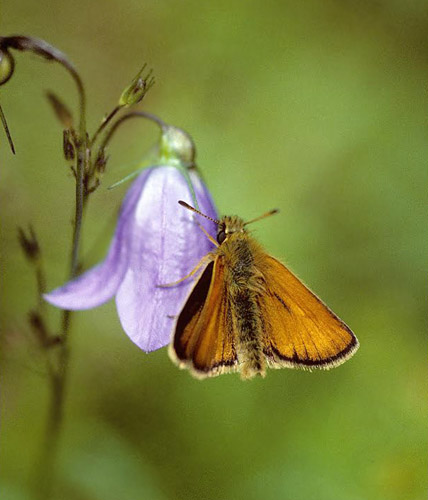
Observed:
{"x":47,"y":51}
{"x":104,"y":123}
{"x":120,"y":121}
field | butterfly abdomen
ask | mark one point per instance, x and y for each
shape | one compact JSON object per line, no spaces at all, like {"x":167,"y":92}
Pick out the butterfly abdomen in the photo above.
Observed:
{"x":244,"y":289}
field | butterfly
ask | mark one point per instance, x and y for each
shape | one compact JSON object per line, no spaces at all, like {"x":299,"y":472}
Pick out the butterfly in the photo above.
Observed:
{"x":247,"y":312}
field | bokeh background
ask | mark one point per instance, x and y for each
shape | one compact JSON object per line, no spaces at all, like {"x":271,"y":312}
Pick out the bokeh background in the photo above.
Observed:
{"x":318,"y":108}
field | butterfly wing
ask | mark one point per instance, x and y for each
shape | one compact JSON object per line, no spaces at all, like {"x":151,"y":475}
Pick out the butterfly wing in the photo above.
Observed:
{"x":300,"y":331}
{"x":204,"y":338}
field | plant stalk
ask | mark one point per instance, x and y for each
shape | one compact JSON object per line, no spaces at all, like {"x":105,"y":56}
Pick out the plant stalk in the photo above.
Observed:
{"x":58,"y":372}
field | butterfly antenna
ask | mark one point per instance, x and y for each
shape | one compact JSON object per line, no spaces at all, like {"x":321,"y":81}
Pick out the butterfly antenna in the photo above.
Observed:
{"x":271,"y":212}
{"x":186,"y":205}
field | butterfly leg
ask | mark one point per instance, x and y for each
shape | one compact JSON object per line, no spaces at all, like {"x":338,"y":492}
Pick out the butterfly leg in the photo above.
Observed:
{"x":205,"y":260}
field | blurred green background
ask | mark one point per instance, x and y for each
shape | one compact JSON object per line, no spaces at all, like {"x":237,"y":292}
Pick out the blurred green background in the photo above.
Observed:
{"x":318,"y":108}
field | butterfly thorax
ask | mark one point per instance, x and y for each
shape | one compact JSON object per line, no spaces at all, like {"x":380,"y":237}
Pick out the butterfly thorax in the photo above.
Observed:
{"x":245,"y":284}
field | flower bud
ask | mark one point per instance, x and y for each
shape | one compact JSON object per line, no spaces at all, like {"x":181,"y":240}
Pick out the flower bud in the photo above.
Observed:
{"x":7,"y":66}
{"x":61,"y":111}
{"x":138,"y":88}
{"x":177,"y":147}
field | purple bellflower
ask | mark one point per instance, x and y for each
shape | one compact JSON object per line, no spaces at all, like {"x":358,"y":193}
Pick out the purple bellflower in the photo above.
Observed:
{"x":156,"y":242}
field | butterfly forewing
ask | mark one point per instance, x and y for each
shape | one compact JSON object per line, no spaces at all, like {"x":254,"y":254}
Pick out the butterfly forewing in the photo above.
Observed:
{"x":203,"y":339}
{"x":299,"y":331}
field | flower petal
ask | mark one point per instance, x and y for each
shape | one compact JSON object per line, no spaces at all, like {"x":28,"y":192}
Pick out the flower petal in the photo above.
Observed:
{"x":166,"y":246}
{"x":99,"y":284}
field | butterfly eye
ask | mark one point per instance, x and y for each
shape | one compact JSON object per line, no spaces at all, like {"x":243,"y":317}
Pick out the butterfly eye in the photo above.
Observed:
{"x":221,"y":236}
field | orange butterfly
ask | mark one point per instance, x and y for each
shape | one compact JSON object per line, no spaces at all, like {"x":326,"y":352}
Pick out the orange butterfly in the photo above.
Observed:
{"x":247,"y":312}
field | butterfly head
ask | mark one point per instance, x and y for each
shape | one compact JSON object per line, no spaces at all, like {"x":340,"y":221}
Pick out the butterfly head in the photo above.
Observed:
{"x":229,"y":225}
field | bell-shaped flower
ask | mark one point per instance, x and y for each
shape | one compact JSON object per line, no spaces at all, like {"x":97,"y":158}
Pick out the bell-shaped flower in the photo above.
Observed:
{"x":156,"y":242}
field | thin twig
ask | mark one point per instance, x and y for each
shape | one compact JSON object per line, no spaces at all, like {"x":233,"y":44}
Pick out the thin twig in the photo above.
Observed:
{"x":104,"y":123}
{"x":131,"y":114}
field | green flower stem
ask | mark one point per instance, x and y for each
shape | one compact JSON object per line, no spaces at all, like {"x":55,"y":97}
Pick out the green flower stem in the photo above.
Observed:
{"x":127,"y":116}
{"x":58,"y":372}
{"x":104,"y":123}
